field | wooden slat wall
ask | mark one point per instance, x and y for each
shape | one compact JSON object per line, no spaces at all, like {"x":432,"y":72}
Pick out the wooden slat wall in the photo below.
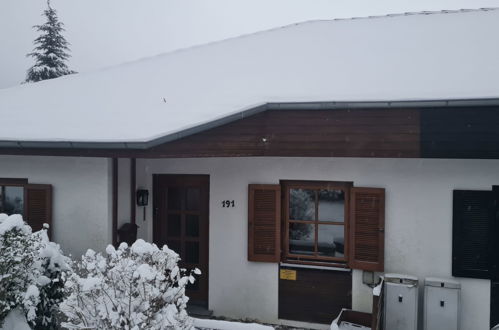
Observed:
{"x":463,"y":132}
{"x":264,"y":223}
{"x":38,"y":205}
{"x":472,"y":221}
{"x":460,"y":133}
{"x":367,"y":231}
{"x":328,"y":133}
{"x":300,"y":133}
{"x":315,"y":296}
{"x":494,"y":304}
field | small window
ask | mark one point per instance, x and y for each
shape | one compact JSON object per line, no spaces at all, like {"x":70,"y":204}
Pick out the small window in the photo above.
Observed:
{"x":12,"y":199}
{"x":32,"y":201}
{"x":314,"y":220}
{"x":319,"y":223}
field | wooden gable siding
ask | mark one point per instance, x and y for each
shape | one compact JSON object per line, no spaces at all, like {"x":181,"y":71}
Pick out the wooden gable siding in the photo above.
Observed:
{"x":300,"y":133}
{"x":467,"y":132}
{"x":315,"y":133}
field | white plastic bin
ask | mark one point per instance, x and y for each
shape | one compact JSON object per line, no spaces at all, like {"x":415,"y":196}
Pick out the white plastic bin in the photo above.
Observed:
{"x":401,"y":302}
{"x":442,"y":304}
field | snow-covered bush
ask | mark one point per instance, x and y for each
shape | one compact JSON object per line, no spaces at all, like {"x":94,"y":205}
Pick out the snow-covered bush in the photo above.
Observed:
{"x":17,"y":255}
{"x":53,"y":269}
{"x":32,"y":273}
{"x":137,"y":287}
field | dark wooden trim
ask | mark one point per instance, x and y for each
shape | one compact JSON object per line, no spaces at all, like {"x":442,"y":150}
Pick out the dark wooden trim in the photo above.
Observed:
{"x":133,"y":183}
{"x":32,"y":213}
{"x":161,"y":183}
{"x":255,"y":226}
{"x":314,"y":185}
{"x":317,"y":184}
{"x":450,"y":132}
{"x":13,"y":181}
{"x":494,"y":303}
{"x":115,"y":200}
{"x":467,"y":132}
{"x":316,"y":295}
{"x":379,"y":240}
{"x":472,"y":227}
{"x":315,"y":263}
{"x":283,"y":133}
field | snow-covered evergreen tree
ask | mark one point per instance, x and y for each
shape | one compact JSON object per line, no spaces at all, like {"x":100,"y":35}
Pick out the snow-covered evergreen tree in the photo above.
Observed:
{"x":51,"y":49}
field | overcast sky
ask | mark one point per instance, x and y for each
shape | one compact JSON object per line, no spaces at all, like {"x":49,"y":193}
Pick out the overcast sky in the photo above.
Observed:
{"x":109,"y":32}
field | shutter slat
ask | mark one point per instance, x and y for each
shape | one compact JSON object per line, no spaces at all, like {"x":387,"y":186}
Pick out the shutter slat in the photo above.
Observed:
{"x":38,"y":206}
{"x":264,"y":209}
{"x":472,"y":220}
{"x":367,"y":221}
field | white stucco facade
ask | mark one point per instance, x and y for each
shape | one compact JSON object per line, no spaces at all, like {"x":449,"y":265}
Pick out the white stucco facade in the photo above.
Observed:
{"x":418,"y":230}
{"x":418,"y":234}
{"x":81,"y":210}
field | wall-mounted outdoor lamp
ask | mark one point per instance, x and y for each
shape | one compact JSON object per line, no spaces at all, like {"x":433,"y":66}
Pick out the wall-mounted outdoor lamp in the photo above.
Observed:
{"x":143,"y":199}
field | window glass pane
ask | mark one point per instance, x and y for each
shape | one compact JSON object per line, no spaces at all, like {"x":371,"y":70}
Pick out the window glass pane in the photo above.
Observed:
{"x":193,"y":286}
{"x":192,"y":252}
{"x":11,"y":200}
{"x":301,"y":238}
{"x":332,"y":205}
{"x":174,"y":228}
{"x":174,"y":198}
{"x":192,"y":225}
{"x":331,"y":240}
{"x":193,"y":196}
{"x":174,"y":245}
{"x":301,"y":204}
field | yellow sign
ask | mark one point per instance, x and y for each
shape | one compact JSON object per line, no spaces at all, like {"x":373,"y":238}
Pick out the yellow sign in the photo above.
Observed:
{"x":287,"y":274}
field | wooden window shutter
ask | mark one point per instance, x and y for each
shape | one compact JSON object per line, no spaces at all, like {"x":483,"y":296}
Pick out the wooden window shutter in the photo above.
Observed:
{"x":471,"y":225}
{"x":367,"y":229}
{"x":264,"y":223}
{"x":38,"y":205}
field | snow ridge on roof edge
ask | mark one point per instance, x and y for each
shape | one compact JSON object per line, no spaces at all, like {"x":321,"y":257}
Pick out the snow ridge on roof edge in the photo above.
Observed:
{"x":277,"y":28}
{"x":180,"y":50}
{"x":249,"y":111}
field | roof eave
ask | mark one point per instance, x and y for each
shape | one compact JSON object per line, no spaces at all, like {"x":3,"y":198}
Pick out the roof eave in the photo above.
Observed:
{"x":326,"y":105}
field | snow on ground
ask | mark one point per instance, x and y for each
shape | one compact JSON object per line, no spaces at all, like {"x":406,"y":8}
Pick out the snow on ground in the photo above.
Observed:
{"x":203,"y":324}
{"x":15,"y":320}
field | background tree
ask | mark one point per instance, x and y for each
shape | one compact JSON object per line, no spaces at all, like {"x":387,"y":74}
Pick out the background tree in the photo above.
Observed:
{"x":51,"y":51}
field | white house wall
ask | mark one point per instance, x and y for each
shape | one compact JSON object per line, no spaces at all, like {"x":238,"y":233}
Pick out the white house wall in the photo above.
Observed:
{"x":418,"y":236}
{"x":123,"y":191}
{"x":81,"y":216}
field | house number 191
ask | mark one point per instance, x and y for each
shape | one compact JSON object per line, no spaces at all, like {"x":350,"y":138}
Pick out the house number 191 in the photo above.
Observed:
{"x":228,"y":203}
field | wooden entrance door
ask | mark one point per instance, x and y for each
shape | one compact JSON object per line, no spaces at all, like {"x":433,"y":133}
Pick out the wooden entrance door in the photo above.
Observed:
{"x":181,"y":222}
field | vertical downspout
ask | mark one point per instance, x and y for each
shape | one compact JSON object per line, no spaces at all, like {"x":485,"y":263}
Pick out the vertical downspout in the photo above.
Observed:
{"x":133,"y":174}
{"x":115,"y":201}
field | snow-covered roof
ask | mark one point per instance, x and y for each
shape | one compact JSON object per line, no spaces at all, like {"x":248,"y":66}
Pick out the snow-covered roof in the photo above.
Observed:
{"x":414,"y":56}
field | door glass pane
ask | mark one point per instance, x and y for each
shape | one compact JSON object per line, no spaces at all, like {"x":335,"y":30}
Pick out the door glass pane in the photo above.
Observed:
{"x":174,"y":198}
{"x":331,"y":240}
{"x":173,"y":245}
{"x":301,"y":204}
{"x":174,"y":227}
{"x":301,"y":238}
{"x":192,"y":252}
{"x":192,"y":225}
{"x":332,"y":205}
{"x":193,"y":196}
{"x":11,"y":200}
{"x":194,"y":286}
